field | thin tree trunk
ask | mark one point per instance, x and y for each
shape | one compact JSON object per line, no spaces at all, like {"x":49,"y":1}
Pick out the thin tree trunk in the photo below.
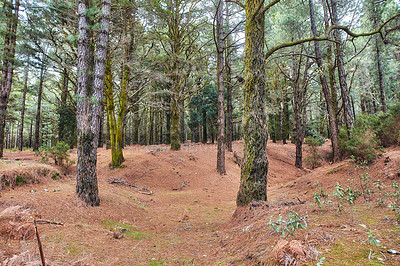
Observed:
{"x":30,"y":135}
{"x":204,"y":122}
{"x":36,"y":145}
{"x":348,"y":118}
{"x":325,"y":89}
{"x":220,"y":85}
{"x":380,"y":75}
{"x":182,"y":124}
{"x":228,"y":74}
{"x":21,"y":128}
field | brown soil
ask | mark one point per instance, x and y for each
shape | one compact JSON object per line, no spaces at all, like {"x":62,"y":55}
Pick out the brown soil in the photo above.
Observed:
{"x":191,"y":217}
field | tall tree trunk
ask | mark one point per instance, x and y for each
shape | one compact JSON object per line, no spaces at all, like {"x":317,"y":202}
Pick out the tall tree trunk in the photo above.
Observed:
{"x":101,"y":130}
{"x":36,"y":144}
{"x":204,"y":125}
{"x":220,"y":85}
{"x":151,"y":129}
{"x":115,"y":125}
{"x":253,"y":179}
{"x":21,"y":127}
{"x":10,"y":40}
{"x":228,"y":74}
{"x":380,"y":75}
{"x":30,"y":135}
{"x":182,"y":124}
{"x":175,"y":132}
{"x":90,"y":95}
{"x":325,"y":89}
{"x":168,"y":127}
{"x":348,"y":118}
{"x":286,"y":117}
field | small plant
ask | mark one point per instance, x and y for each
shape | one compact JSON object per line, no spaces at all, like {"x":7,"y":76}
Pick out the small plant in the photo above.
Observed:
{"x":320,"y":198}
{"x":290,"y":226}
{"x":372,"y":239}
{"x":395,"y":204}
{"x":314,"y":158}
{"x":58,"y":153}
{"x":348,"y":195}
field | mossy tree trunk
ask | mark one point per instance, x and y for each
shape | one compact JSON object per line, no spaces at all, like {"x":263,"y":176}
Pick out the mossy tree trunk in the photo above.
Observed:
{"x":115,"y":125}
{"x":253,"y":180}
{"x":90,"y":94}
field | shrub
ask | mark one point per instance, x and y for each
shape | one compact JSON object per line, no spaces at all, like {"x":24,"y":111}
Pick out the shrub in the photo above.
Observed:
{"x":314,"y":158}
{"x":362,"y":144}
{"x":58,"y":153}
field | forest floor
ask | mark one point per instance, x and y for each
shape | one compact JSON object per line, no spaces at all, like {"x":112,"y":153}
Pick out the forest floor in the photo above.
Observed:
{"x":191,"y":216}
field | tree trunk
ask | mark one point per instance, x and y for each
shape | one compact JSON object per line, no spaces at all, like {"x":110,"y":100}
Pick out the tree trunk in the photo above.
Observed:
{"x":115,"y":126}
{"x":286,"y":117}
{"x":168,"y":128}
{"x":10,"y":40}
{"x":228,"y":74}
{"x":175,"y":134}
{"x":348,"y":118}
{"x":30,"y":135}
{"x":36,"y":145}
{"x":21,"y":128}
{"x":253,"y":180}
{"x":204,"y":122}
{"x":380,"y":75}
{"x":220,"y":85}
{"x":325,"y":89}
{"x":182,"y":124}
{"x":90,"y":95}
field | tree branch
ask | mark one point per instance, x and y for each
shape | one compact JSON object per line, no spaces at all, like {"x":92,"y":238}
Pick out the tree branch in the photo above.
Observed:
{"x":271,"y":4}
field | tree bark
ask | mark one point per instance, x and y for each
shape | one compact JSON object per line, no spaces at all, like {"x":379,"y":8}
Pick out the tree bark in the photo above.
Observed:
{"x":89,"y":101}
{"x":380,"y":75}
{"x":36,"y":144}
{"x":228,"y":75}
{"x":175,"y":134}
{"x":21,"y":127}
{"x":348,"y":118}
{"x":204,"y":126}
{"x":10,"y":40}
{"x":253,"y":179}
{"x":325,"y":89}
{"x":220,"y":85}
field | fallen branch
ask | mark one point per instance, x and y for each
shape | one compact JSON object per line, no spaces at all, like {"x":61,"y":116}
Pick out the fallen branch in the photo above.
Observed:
{"x":41,"y":221}
{"x":38,"y":240}
{"x":142,"y":190}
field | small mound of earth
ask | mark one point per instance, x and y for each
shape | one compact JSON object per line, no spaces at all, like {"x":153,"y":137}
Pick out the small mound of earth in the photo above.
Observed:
{"x":32,"y":175}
